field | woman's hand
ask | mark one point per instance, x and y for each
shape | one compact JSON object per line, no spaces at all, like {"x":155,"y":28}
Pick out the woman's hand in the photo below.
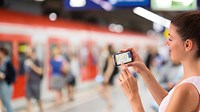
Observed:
{"x":128,"y":83}
{"x":137,"y":64}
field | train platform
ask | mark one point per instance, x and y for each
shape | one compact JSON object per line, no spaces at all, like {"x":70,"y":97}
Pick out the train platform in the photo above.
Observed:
{"x":87,"y":99}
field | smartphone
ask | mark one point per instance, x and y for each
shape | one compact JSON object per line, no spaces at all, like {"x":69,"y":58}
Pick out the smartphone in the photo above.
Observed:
{"x":122,"y":57}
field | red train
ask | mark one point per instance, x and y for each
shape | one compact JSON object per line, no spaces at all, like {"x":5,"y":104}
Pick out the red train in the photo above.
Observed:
{"x":17,"y":31}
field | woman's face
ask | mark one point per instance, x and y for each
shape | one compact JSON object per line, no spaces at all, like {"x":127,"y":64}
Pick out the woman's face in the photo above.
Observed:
{"x":175,"y":44}
{"x":56,"y":51}
{"x":29,"y":52}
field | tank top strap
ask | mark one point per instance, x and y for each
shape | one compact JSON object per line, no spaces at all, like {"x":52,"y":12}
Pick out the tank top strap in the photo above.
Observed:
{"x":195,"y":80}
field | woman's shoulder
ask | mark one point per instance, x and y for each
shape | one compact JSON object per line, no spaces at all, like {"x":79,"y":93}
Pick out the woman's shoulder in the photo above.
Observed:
{"x":186,"y":94}
{"x":186,"y":89}
{"x":194,"y":81}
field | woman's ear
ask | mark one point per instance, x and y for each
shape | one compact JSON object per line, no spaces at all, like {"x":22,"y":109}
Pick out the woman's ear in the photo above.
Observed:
{"x":188,"y":44}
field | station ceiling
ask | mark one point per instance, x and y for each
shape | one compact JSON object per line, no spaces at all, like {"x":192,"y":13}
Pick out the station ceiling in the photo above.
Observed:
{"x":123,"y":16}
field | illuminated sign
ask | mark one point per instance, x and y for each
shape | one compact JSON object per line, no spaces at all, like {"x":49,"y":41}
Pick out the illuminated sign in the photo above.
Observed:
{"x":198,"y":2}
{"x":174,"y":5}
{"x":81,"y":5}
{"x":88,"y":5}
{"x":129,"y":2}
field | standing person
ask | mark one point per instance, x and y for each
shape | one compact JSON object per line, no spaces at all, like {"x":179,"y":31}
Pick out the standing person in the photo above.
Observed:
{"x":151,"y":55}
{"x":34,"y":75}
{"x":109,"y":71}
{"x":70,"y":84}
{"x":184,"y":47}
{"x":58,"y":66}
{"x":72,"y":70}
{"x":7,"y":78}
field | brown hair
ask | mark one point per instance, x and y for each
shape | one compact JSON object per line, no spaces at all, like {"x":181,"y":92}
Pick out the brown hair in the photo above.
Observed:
{"x":4,"y":51}
{"x":111,"y":49}
{"x":188,"y":27}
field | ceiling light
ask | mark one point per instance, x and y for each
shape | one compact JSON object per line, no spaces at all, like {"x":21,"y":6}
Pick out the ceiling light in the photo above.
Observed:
{"x":103,"y":4}
{"x":158,"y":27}
{"x":77,"y":3}
{"x":53,"y":16}
{"x":39,"y":0}
{"x":113,"y":1}
{"x":116,"y":28}
{"x":152,"y":16}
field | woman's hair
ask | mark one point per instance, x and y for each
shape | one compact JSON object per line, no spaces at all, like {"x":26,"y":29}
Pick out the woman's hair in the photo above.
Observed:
{"x":4,"y":51}
{"x":188,"y":27}
{"x":111,"y":49}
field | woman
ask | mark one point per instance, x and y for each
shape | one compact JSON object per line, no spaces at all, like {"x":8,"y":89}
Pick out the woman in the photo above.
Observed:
{"x":58,"y":64}
{"x":184,"y":47}
{"x":109,"y":72}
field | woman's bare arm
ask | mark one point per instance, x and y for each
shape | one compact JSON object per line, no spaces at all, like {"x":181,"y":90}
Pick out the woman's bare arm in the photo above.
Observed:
{"x":156,"y":90}
{"x":130,"y":87}
{"x":184,"y":99}
{"x":36,"y":68}
{"x":138,"y":65}
{"x":136,"y":104}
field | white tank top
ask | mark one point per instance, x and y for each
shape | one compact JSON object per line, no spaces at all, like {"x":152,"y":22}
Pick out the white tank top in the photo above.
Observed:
{"x":195,"y":80}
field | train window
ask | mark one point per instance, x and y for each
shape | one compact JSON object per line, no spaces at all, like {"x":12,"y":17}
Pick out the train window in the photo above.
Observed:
{"x":8,"y":46}
{"x":22,"y":56}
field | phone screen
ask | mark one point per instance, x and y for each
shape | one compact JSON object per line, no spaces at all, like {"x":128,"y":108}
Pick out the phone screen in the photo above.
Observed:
{"x":124,"y":57}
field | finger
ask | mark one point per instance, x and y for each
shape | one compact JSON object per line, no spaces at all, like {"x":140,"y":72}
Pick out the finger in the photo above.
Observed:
{"x":130,"y":64}
{"x":131,"y":49}
{"x":127,"y":75}
{"x":123,"y":75}
{"x":135,"y":63}
{"x":127,"y":49}
{"x":134,"y":53}
{"x":127,"y":72}
{"x":122,"y":50}
{"x":119,"y":81}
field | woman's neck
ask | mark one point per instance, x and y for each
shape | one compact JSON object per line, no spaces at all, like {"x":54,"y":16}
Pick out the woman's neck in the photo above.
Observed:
{"x":191,"y":68}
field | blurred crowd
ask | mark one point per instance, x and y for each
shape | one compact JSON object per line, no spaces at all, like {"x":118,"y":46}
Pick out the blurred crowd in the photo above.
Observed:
{"x":66,"y":69}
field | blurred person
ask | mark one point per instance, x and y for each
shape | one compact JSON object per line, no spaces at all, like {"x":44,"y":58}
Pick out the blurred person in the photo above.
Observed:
{"x":103,"y":54}
{"x":58,"y":66}
{"x":70,"y":84}
{"x":75,"y":66}
{"x":68,"y":76}
{"x":109,"y":72}
{"x":7,"y":78}
{"x":151,"y":54}
{"x":71,"y":76}
{"x":102,"y":58}
{"x":184,"y":46}
{"x":34,"y":75}
{"x":1,"y":106}
{"x":170,"y":73}
{"x":153,"y":59}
